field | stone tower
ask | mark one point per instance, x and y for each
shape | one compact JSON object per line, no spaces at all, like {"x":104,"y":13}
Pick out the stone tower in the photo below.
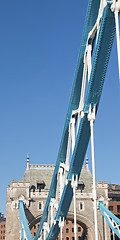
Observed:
{"x":33,"y":190}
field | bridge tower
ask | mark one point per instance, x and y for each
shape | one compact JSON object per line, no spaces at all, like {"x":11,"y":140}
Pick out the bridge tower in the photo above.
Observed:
{"x":33,"y":191}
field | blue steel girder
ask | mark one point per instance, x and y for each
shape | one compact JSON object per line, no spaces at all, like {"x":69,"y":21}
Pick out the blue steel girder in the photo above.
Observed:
{"x":25,"y":230}
{"x":101,"y":58}
{"x":93,"y":94}
{"x":106,"y":34}
{"x":91,"y":16}
{"x":111,"y":219}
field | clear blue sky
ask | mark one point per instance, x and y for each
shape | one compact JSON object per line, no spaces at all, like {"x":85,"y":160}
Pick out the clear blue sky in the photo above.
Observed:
{"x":39,"y":46}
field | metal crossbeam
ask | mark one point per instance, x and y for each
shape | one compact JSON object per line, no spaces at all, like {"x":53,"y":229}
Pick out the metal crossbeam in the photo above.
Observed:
{"x":111,"y":219}
{"x":25,"y":231}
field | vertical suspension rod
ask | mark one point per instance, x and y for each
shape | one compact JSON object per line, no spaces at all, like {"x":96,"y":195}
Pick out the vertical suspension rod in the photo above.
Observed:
{"x":94,"y":181}
{"x":74,"y":185}
{"x":91,"y":118}
{"x":52,"y":213}
{"x":61,"y":225}
{"x":61,"y":233}
{"x":74,"y":181}
{"x":75,"y":222}
{"x":46,"y":226}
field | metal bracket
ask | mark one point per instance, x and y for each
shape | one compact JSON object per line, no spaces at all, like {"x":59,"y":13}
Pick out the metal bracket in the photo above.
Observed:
{"x":46,"y":226}
{"x":74,"y":181}
{"x":91,"y":113}
{"x":67,"y":180}
{"x":61,"y":222}
{"x":115,"y":6}
{"x":64,"y":166}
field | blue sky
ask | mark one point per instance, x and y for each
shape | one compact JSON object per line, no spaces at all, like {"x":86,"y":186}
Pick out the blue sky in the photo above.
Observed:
{"x":39,"y":47}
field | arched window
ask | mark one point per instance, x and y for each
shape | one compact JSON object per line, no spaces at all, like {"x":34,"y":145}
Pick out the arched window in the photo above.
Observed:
{"x":32,"y":188}
{"x":79,"y":229}
{"x":67,"y":230}
{"x":67,"y":222}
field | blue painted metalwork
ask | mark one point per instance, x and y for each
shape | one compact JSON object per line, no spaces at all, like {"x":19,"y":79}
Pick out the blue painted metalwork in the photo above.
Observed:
{"x":99,"y":67}
{"x":91,"y":17}
{"x":83,"y":135}
{"x":111,"y":219}
{"x":23,"y":223}
{"x":101,"y":58}
{"x":83,"y":235}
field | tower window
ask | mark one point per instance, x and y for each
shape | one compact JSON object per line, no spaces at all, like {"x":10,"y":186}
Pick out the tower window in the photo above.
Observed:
{"x":81,"y":206}
{"x":40,"y":205}
{"x":32,"y":188}
{"x":40,"y":186}
{"x":81,"y":186}
{"x":118,"y":208}
{"x":67,"y":230}
{"x":79,"y":229}
{"x":67,"y":221}
{"x":111,"y":208}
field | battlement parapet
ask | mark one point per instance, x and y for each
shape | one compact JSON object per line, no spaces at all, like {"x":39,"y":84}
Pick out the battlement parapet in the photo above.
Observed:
{"x":14,"y":181}
{"x":20,"y":184}
{"x":80,"y":195}
{"x":39,"y":166}
{"x":102,"y":184}
{"x":39,"y":194}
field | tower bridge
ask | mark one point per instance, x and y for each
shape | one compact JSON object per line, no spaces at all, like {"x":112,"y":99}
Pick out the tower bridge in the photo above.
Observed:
{"x":33,"y":191}
{"x":69,"y":196}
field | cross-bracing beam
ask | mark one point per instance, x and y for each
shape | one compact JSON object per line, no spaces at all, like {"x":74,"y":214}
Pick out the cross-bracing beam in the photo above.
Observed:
{"x":25,"y":231}
{"x":111,"y":219}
